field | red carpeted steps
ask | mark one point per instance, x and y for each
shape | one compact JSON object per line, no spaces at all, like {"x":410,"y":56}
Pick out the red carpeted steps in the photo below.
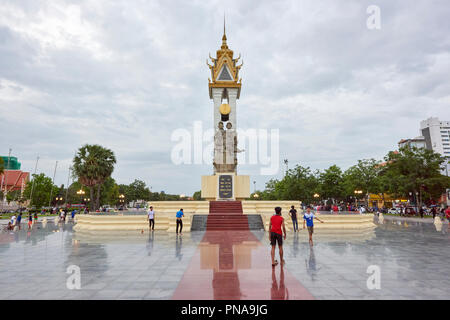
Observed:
{"x":225,"y":207}
{"x":226,"y":215}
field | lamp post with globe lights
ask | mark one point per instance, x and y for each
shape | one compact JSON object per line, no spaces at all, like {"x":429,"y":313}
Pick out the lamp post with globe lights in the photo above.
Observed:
{"x":316,"y":196}
{"x":357,"y":192}
{"x":121,"y":200}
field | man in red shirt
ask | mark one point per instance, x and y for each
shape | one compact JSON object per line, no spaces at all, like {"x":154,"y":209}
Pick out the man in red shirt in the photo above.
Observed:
{"x":447,"y":215}
{"x":276,"y":235}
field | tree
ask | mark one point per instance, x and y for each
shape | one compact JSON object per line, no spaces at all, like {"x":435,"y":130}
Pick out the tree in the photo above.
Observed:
{"x":137,"y":190}
{"x":363,"y":176}
{"x":298,"y":183}
{"x":109,"y":192}
{"x":43,"y":187}
{"x":332,"y":184}
{"x":197,"y":195}
{"x":92,"y":165}
{"x":416,"y":171}
{"x":73,"y":196}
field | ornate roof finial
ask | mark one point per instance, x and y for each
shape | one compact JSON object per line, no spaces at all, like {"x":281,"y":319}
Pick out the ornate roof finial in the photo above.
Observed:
{"x":224,"y":38}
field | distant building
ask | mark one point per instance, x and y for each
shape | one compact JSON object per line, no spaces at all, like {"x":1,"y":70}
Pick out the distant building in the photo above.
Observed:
{"x":437,"y":138}
{"x":13,"y":178}
{"x":418,"y":142}
{"x":11,"y":163}
{"x":437,"y":135}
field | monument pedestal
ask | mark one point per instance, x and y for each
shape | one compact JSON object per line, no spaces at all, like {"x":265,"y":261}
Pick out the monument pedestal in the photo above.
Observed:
{"x":225,"y":186}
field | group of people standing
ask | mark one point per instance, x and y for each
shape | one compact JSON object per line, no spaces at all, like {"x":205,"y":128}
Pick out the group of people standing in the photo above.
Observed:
{"x":179,"y":217}
{"x":16,"y":221}
{"x":277,"y":229}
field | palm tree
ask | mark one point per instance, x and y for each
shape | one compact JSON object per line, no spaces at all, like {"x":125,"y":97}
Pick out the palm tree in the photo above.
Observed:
{"x":92,"y":165}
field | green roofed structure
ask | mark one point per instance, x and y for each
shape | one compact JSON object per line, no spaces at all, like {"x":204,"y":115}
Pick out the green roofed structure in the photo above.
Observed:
{"x":11,"y":163}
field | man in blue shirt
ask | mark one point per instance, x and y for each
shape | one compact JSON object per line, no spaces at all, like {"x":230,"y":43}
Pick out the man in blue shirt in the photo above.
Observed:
{"x":19,"y":219}
{"x":180,"y":215}
{"x":309,"y":217}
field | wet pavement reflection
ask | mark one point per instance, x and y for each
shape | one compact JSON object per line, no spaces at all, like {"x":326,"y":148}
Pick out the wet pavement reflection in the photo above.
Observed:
{"x":234,"y":265}
{"x":413,"y":258}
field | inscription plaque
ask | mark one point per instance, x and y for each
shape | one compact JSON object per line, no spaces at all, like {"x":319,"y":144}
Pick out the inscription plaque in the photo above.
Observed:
{"x":225,"y":186}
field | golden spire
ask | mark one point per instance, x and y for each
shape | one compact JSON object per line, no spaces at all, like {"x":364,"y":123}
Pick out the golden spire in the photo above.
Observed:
{"x":224,"y":67}
{"x":224,"y":38}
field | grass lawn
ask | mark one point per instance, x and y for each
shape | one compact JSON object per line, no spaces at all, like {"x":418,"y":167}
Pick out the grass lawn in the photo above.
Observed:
{"x":9,"y":215}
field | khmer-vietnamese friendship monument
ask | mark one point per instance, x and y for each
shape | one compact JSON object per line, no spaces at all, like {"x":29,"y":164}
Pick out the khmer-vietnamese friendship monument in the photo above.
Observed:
{"x":226,"y":193}
{"x":225,"y":89}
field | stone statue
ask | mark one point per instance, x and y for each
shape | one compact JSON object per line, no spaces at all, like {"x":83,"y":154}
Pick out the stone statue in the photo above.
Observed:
{"x":219,"y":147}
{"x":231,"y":146}
{"x":225,"y":149}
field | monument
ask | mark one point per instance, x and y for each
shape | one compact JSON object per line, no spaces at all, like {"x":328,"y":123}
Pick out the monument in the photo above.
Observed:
{"x":224,"y":90}
{"x":225,"y":184}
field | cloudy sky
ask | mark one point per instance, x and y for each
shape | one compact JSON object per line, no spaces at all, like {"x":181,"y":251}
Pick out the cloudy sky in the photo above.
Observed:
{"x":127,"y":74}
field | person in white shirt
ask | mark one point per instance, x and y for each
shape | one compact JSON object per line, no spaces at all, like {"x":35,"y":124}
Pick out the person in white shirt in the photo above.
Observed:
{"x":13,"y":220}
{"x":151,"y":218}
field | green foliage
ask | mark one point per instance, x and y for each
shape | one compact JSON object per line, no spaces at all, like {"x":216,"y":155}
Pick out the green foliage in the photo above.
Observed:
{"x":43,"y":187}
{"x":92,"y":165}
{"x":409,"y":170}
{"x":298,"y":184}
{"x":415,"y":170}
{"x":332,"y":183}
{"x":137,"y":190}
{"x":364,"y":176}
{"x":109,"y":192}
{"x":197,"y":195}
{"x":2,"y":166}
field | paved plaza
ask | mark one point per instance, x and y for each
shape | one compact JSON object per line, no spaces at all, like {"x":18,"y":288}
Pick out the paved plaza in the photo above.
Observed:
{"x":412,"y":257}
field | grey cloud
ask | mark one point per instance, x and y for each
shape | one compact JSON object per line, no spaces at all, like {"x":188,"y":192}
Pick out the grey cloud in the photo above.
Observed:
{"x":337,"y":91}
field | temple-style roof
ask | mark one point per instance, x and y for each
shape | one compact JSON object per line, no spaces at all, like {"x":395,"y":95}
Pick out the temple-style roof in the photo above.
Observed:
{"x":224,"y":68}
{"x":12,"y":180}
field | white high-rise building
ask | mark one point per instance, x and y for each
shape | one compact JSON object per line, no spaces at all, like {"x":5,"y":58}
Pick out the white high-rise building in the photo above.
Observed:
{"x":437,"y":137}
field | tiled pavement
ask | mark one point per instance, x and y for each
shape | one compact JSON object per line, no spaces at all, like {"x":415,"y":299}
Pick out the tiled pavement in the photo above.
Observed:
{"x":413,"y":259}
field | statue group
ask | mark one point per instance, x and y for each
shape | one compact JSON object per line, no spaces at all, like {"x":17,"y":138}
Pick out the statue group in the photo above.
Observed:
{"x":225,"y":149}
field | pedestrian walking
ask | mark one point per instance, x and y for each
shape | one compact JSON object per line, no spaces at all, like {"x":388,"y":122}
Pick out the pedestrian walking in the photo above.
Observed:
{"x":30,"y":221}
{"x":19,"y":220}
{"x":293,"y":215}
{"x":151,"y":219}
{"x":277,"y":231}
{"x":180,"y":215}
{"x":447,"y":215}
{"x":308,"y":218}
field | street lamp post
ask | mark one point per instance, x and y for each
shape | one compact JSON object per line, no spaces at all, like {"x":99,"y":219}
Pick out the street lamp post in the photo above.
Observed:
{"x":356,"y":196}
{"x":58,"y":199}
{"x":122,"y":200}
{"x":316,"y":196}
{"x":81,"y":193}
